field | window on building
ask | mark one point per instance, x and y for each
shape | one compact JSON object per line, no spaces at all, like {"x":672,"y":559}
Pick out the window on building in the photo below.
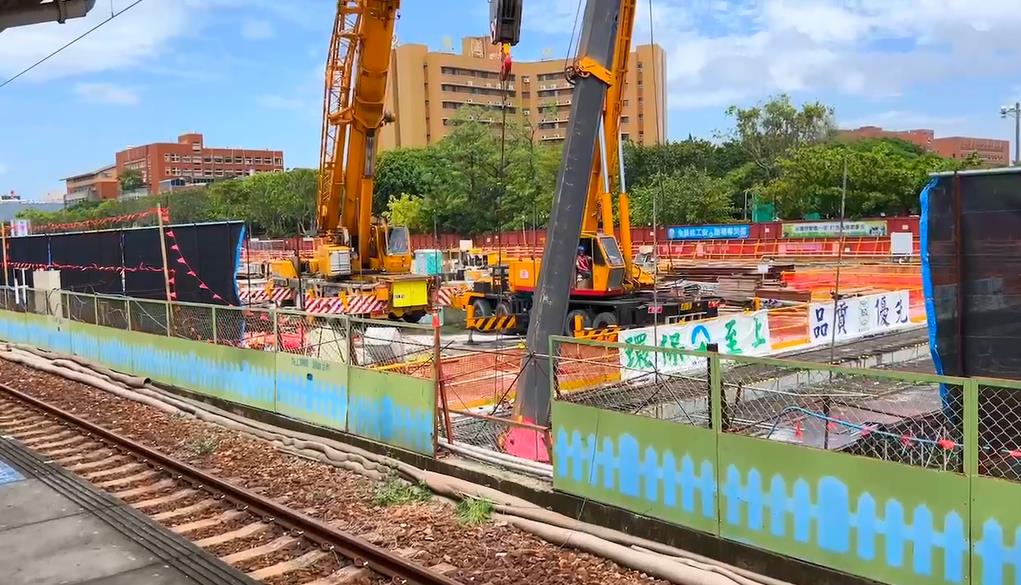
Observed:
{"x":626,"y":137}
{"x":524,"y":79}
{"x":166,"y":172}
{"x":207,"y":159}
{"x":207,"y":172}
{"x":278,"y":161}
{"x":625,"y":119}
{"x":219,"y":172}
{"x":218,"y":159}
{"x":248,"y":160}
{"x":196,"y":147}
{"x":166,"y":157}
{"x":627,"y":103}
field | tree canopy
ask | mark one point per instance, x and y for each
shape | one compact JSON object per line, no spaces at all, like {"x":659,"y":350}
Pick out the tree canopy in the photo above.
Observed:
{"x":482,"y":177}
{"x":273,"y":204}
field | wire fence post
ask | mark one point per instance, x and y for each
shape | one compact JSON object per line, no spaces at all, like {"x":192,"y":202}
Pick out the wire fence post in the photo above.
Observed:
{"x":441,"y":390}
{"x":970,"y":436}
{"x":213,"y":317}
{"x":716,"y":418}
{"x":95,"y":309}
{"x":276,"y":331}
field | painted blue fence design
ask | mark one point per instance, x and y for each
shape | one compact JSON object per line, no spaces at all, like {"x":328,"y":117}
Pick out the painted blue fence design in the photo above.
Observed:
{"x":996,"y":556}
{"x":619,"y":464}
{"x":837,"y":523}
{"x":243,"y":376}
{"x":314,"y":398}
{"x":381,"y":418}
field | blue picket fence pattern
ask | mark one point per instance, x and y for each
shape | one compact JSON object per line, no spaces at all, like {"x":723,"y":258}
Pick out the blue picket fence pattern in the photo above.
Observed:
{"x":621,"y":465}
{"x":318,"y":395}
{"x":995,"y":556}
{"x":838,"y":520}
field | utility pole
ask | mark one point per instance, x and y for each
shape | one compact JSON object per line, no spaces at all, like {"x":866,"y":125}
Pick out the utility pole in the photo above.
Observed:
{"x":556,"y":275}
{"x":1014,"y":111}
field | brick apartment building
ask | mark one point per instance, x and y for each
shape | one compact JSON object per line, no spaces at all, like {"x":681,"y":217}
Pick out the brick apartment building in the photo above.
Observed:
{"x":426,"y":88}
{"x":98,"y":185}
{"x":993,"y":152}
{"x":189,"y":162}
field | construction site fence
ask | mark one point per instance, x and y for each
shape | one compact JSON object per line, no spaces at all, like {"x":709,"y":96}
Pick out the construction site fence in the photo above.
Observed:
{"x":670,"y":253}
{"x":772,"y":230}
{"x":893,"y":476}
{"x":474,"y":386}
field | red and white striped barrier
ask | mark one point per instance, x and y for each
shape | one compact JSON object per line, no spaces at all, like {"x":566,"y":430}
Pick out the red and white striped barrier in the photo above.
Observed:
{"x":361,"y":305}
{"x":261,"y":296}
{"x":444,"y":296}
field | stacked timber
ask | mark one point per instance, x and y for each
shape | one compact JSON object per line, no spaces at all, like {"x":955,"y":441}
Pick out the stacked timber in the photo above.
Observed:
{"x":738,"y":288}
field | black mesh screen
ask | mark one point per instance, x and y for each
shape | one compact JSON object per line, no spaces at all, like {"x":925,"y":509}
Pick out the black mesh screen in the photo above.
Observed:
{"x":202,"y":260}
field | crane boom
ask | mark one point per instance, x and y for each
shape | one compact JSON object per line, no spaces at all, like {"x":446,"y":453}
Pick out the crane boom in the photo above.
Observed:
{"x":556,"y":274}
{"x":607,"y":168}
{"x":356,"y":72}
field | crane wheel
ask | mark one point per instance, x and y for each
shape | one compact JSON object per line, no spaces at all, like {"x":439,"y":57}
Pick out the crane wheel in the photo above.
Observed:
{"x":482,"y":307}
{"x":604,"y":320}
{"x":586,"y":320}
{"x":413,"y":317}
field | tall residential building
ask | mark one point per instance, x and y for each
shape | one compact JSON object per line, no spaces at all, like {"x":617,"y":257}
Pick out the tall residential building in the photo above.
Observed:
{"x":189,"y":162}
{"x":426,"y":88}
{"x":993,"y":152}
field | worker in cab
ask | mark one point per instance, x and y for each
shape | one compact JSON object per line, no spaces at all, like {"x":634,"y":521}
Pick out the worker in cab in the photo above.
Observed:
{"x":583,"y":266}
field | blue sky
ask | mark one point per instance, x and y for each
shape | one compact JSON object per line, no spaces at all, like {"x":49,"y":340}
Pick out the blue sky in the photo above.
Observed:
{"x":249,"y":72}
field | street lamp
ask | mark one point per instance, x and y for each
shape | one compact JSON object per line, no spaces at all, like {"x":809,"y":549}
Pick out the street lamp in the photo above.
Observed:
{"x":1014,"y":111}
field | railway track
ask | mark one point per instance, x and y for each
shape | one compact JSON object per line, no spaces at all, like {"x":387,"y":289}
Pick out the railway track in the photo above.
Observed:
{"x":269,"y":542}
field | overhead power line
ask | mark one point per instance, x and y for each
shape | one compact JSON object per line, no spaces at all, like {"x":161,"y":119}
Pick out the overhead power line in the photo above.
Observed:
{"x":113,"y":15}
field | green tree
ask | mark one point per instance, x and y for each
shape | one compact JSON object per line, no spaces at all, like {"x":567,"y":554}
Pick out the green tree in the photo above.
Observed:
{"x":883,"y":177}
{"x":282,"y":204}
{"x":399,"y":172}
{"x":688,"y":196}
{"x":770,"y":130}
{"x":409,"y":211}
{"x":189,"y":205}
{"x":130,"y":180}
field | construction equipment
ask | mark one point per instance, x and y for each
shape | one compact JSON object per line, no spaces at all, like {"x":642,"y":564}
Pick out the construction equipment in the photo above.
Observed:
{"x":616,"y":292}
{"x":591,"y":170}
{"x":362,"y":258}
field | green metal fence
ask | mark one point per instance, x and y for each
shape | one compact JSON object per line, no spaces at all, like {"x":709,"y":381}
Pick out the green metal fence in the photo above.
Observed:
{"x":895,"y":476}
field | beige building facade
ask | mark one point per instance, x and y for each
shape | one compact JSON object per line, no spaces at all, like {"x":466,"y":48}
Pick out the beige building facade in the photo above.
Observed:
{"x":426,"y":88}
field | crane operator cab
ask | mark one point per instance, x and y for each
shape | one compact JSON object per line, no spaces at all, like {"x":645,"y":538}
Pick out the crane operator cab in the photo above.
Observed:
{"x":606,"y":269}
{"x":390,"y":249}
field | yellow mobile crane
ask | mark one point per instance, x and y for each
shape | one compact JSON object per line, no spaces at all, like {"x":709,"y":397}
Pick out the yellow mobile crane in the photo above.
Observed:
{"x":361,"y":258}
{"x":615,"y":292}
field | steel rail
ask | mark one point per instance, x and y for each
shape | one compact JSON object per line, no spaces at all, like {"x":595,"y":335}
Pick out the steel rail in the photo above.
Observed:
{"x":361,"y":552}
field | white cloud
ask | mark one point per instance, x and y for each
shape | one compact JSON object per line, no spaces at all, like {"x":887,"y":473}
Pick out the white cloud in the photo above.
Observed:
{"x":129,"y":39}
{"x":107,"y":93}
{"x":730,"y":51}
{"x":257,"y":29}
{"x":279,"y":102}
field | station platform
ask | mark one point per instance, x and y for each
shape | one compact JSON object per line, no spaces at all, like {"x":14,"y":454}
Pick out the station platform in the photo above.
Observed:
{"x":57,"y":529}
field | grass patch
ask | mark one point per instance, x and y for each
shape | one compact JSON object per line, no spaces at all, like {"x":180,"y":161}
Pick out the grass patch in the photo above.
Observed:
{"x":203,"y":446}
{"x":474,"y":511}
{"x":395,"y":492}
